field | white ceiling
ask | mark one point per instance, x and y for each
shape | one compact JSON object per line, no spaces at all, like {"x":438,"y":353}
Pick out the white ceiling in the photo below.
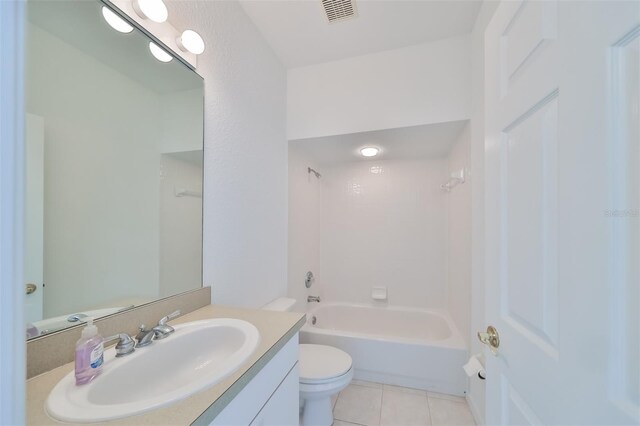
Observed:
{"x":417,"y":142}
{"x":299,"y":33}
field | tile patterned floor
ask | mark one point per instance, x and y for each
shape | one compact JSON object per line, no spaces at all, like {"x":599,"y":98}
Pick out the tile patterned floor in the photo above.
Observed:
{"x":375,"y":404}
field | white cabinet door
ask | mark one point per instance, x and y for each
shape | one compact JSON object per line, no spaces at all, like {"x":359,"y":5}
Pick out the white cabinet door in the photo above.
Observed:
{"x":255,"y":396}
{"x":562,"y":212}
{"x":282,"y":408}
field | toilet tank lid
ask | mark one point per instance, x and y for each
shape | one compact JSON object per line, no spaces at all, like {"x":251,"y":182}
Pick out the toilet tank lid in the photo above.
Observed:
{"x":282,"y":304}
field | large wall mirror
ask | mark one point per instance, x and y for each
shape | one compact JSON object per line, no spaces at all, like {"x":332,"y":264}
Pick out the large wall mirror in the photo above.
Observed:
{"x":113,"y":196}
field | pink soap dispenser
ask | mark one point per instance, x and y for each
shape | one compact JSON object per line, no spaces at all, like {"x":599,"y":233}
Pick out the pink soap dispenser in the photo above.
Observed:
{"x":89,"y":354}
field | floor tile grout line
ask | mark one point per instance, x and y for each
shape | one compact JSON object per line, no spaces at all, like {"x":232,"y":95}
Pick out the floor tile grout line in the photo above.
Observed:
{"x":429,"y":406}
{"x":406,"y":393}
{"x":463,"y":401}
{"x":368,"y":386}
{"x":381,"y":401}
{"x":429,"y":410}
{"x":350,"y":423}
{"x":347,"y":421}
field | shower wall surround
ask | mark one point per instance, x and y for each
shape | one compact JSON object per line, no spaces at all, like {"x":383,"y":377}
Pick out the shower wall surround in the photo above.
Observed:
{"x":384,"y":224}
{"x":366,"y":224}
{"x":459,"y":236}
{"x":304,"y":225}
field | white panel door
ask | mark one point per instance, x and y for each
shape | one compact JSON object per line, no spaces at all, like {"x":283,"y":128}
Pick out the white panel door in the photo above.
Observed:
{"x":34,"y":215}
{"x":562,"y":212}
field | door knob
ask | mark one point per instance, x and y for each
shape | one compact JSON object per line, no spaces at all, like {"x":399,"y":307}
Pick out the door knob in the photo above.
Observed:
{"x":30,"y":288}
{"x":490,"y":338}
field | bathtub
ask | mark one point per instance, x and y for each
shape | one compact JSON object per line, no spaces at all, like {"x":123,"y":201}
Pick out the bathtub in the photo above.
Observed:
{"x":399,"y":346}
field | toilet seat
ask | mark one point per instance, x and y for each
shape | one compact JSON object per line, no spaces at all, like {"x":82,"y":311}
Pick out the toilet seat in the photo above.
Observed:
{"x":321,"y":364}
{"x":326,"y":381}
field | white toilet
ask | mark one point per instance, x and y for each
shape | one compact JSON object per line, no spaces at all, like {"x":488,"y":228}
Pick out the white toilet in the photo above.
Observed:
{"x":324,"y":371}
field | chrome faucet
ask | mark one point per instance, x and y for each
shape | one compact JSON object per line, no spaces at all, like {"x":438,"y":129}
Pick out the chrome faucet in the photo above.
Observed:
{"x":146,"y":337}
{"x":125,"y":344}
{"x":313,"y":299}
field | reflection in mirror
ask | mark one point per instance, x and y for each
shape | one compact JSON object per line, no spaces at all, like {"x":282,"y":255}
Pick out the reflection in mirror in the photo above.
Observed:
{"x":113,"y":168}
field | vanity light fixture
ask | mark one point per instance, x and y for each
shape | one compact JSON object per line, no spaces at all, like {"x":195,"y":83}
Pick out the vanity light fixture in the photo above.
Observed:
{"x":154,"y":10}
{"x":190,"y":41}
{"x":159,"y":53}
{"x":369,"y":151}
{"x":116,"y":22}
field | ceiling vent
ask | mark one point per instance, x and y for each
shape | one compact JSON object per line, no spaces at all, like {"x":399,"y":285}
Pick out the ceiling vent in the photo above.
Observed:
{"x":338,"y":10}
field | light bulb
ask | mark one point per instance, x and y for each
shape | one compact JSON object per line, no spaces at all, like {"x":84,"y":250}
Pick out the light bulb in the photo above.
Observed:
{"x":116,"y":22}
{"x":369,"y":151}
{"x":190,"y":41}
{"x":159,"y":53}
{"x":155,"y":10}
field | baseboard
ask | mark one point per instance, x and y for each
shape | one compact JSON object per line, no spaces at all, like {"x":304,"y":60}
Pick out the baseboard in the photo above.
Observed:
{"x":408,"y":382}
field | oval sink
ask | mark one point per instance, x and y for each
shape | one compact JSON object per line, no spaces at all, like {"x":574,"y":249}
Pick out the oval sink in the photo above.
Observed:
{"x":198,"y":355}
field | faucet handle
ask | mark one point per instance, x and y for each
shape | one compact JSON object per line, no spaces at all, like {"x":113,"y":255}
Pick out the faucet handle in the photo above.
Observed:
{"x":144,"y":336}
{"x":172,"y":315}
{"x":125,"y":345}
{"x":141,"y":331}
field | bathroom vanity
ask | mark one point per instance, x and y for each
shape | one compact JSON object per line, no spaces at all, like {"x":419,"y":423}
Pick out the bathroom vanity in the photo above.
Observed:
{"x":262,"y":391}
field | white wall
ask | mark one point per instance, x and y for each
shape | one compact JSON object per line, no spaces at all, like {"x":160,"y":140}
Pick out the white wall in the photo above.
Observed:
{"x":421,"y":84}
{"x":245,"y":173}
{"x":304,"y":225}
{"x":476,"y":395}
{"x":459,"y":236}
{"x":384,"y":224}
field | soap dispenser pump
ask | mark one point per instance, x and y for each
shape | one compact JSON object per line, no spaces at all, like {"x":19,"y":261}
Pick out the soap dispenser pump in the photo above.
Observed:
{"x":89,"y":354}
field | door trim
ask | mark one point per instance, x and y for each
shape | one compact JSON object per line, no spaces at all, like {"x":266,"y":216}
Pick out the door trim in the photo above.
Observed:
{"x":12,"y":335}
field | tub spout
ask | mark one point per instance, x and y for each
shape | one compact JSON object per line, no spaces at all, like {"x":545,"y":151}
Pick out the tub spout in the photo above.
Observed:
{"x":313,"y":299}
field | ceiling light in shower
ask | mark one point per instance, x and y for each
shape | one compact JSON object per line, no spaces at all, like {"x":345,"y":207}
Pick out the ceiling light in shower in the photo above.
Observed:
{"x":116,"y":22}
{"x":370,"y":151}
{"x":190,"y":41}
{"x":159,"y":53}
{"x":155,"y":10}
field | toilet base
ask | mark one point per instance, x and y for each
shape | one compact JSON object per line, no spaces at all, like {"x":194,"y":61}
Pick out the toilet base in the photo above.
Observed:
{"x":317,"y":412}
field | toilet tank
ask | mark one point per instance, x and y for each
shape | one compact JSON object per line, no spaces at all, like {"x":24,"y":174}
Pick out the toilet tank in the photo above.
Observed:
{"x":282,"y":304}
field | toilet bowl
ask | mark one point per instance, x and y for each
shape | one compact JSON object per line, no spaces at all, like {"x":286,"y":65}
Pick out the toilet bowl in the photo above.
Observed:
{"x":324,"y":371}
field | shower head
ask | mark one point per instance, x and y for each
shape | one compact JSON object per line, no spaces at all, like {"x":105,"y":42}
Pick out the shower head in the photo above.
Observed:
{"x":310,"y":170}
